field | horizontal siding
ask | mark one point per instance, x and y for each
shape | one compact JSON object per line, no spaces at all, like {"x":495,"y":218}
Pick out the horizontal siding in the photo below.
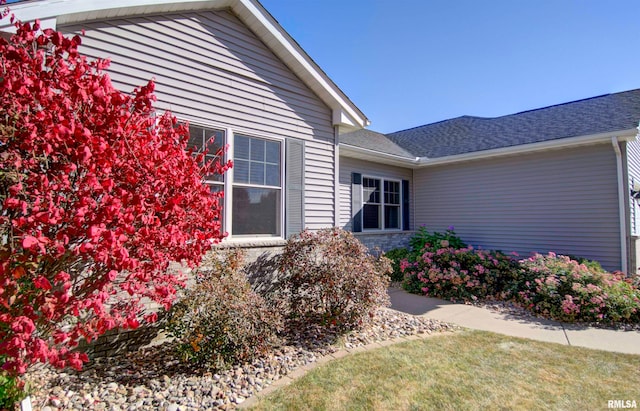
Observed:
{"x":633,"y":168}
{"x":209,"y":68}
{"x":319,"y":185}
{"x":350,"y":165}
{"x":563,"y":201}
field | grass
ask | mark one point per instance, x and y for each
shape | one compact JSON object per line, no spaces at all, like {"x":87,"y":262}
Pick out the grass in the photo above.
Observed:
{"x":469,"y":370}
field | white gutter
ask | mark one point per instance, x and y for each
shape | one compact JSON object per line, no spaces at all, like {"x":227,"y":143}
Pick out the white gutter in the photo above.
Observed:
{"x":419,"y":162}
{"x":366,"y":153}
{"x":625,"y":135}
{"x":621,"y":204}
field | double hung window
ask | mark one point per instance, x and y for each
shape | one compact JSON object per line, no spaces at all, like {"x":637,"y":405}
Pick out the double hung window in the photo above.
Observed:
{"x":254,"y":187}
{"x":257,"y":186}
{"x":381,"y":204}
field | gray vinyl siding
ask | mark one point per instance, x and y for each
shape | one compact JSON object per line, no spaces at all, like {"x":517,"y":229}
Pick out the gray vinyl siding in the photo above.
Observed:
{"x":350,"y":165}
{"x":633,"y":170}
{"x":563,"y":201}
{"x":211,"y":69}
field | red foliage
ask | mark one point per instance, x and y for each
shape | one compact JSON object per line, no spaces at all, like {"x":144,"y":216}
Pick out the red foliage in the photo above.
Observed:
{"x":97,"y":196}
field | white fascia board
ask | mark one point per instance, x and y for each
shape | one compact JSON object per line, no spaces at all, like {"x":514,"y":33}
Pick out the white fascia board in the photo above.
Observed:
{"x":377,"y":156}
{"x":623,"y":135}
{"x":340,"y":118}
{"x":421,"y":162}
{"x":251,"y":12}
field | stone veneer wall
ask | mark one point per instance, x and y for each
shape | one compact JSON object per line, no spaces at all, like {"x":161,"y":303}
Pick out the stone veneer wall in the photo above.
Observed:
{"x":117,"y":342}
{"x":384,"y":241}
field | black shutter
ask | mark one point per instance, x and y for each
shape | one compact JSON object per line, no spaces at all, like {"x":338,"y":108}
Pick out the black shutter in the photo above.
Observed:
{"x":294,"y":187}
{"x":356,"y":202}
{"x":405,"y":205}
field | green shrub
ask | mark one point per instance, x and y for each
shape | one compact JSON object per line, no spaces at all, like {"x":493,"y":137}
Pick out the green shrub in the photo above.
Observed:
{"x":592,"y":265}
{"x":12,"y":391}
{"x":396,"y":256}
{"x":329,"y":278}
{"x":558,"y":287}
{"x":423,"y":239}
{"x":220,"y":320}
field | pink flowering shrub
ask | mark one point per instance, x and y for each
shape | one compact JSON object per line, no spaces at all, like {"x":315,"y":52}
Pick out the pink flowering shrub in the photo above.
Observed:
{"x":454,"y":272}
{"x":558,"y":287}
{"x":463,"y":274}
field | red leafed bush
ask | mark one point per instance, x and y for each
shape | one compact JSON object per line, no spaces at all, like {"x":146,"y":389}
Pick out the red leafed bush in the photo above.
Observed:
{"x":97,"y":196}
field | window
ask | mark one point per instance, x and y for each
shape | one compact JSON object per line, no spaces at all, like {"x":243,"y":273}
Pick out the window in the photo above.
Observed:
{"x":257,"y":187}
{"x":256,"y":196}
{"x":381,"y":204}
{"x":371,"y":207}
{"x":392,"y":204}
{"x":201,"y":139}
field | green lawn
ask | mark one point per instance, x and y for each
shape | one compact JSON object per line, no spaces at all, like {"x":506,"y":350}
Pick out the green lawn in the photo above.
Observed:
{"x":468,"y":370}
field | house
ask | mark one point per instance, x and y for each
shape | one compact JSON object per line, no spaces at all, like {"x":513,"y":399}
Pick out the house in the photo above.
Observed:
{"x":553,"y":179}
{"x":558,"y":178}
{"x":232,"y":71}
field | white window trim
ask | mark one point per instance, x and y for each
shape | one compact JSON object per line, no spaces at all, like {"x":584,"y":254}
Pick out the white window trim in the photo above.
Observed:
{"x":382,"y":205}
{"x":228,"y":196}
{"x":227,"y":200}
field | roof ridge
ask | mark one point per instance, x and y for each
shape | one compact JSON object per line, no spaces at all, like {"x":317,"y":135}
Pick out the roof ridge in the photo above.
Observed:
{"x":569,"y":102}
{"x":517,"y":113}
{"x":441,"y":121}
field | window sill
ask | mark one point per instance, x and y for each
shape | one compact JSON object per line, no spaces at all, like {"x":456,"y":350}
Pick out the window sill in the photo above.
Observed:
{"x":252,"y":242}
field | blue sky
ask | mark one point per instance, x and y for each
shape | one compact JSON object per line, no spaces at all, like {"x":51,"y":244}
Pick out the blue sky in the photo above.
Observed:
{"x":406,"y":63}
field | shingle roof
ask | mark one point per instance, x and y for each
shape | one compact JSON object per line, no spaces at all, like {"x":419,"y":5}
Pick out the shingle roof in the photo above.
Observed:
{"x":466,"y":134}
{"x":374,"y":141}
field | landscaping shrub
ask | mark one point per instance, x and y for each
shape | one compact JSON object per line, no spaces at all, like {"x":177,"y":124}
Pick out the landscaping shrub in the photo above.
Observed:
{"x":329,"y":278}
{"x":396,"y":256}
{"x":461,"y":274}
{"x":423,"y":239}
{"x":592,"y":265}
{"x":551,"y":286}
{"x":558,"y":287}
{"x":12,"y":391}
{"x":98,"y":194}
{"x":220,"y":321}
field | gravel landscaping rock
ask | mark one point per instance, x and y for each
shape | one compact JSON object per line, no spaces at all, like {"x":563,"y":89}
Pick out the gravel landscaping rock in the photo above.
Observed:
{"x":155,"y":379}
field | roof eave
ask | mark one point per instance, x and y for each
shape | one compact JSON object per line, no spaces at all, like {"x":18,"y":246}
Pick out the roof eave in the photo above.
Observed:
{"x":56,"y":12}
{"x":361,"y":153}
{"x":622,"y":135}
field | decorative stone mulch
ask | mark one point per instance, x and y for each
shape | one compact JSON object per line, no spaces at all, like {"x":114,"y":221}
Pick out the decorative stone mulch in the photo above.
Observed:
{"x":154,"y":379}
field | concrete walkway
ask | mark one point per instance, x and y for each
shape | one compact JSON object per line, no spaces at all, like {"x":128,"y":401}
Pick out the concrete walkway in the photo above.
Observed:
{"x":538,"y":329}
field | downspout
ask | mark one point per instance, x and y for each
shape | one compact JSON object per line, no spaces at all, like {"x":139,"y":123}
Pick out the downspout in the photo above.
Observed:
{"x":621,"y":205}
{"x":336,"y":177}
